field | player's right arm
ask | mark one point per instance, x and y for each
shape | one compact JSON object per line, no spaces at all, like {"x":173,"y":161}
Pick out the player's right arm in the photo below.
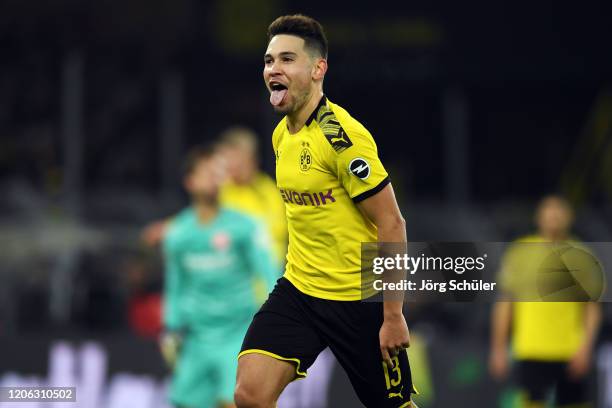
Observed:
{"x":501,"y":318}
{"x":172,"y":285}
{"x":170,"y":340}
{"x":154,"y":232}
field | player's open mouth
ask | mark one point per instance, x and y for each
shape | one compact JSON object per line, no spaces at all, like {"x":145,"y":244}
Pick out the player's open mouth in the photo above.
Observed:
{"x":277,"y":93}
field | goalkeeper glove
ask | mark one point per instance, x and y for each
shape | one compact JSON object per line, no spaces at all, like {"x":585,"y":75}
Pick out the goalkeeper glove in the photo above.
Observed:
{"x":170,"y":346}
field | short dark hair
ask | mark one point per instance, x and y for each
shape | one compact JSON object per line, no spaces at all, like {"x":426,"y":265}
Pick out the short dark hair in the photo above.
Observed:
{"x":307,"y":28}
{"x":197,"y":154}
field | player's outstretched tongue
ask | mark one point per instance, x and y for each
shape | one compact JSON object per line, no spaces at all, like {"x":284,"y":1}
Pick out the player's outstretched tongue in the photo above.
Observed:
{"x":276,"y":97}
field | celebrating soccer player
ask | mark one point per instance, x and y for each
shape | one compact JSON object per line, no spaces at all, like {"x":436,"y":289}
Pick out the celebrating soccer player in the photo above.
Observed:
{"x":337,"y":194}
{"x":211,"y":255}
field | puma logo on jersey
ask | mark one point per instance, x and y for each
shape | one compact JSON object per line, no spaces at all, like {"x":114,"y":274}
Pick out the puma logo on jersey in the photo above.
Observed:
{"x":341,"y":138}
{"x":335,"y":135}
{"x":396,"y":394}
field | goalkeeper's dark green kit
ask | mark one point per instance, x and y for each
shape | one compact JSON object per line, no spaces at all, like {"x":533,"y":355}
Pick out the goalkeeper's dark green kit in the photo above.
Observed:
{"x":209,"y":296}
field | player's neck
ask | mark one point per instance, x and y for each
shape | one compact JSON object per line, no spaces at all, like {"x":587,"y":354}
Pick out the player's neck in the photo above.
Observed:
{"x":205,"y":211}
{"x":296,"y":120}
{"x":553,"y":236}
{"x":246,"y":180}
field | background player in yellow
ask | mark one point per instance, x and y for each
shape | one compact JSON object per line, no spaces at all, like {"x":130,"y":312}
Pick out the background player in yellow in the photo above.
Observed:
{"x":552,"y":342}
{"x":337,"y":195}
{"x":247,"y":189}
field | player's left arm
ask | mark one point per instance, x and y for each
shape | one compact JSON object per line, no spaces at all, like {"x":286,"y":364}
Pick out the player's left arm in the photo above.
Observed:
{"x":581,"y":361}
{"x":383,"y":211}
{"x":366,"y":181}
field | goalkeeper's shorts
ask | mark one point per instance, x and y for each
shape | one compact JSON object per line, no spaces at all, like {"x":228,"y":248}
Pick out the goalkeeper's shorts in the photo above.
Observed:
{"x":205,"y":373}
{"x":295,"y":327}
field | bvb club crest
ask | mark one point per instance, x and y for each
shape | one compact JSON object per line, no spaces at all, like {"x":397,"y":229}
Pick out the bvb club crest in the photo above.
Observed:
{"x":305,"y":157}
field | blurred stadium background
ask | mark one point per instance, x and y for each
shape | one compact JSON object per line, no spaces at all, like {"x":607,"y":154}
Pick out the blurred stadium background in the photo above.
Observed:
{"x":478,"y":110}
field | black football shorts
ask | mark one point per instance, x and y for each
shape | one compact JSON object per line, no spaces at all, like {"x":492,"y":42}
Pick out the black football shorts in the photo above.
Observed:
{"x":540,"y":379}
{"x":296,"y":327}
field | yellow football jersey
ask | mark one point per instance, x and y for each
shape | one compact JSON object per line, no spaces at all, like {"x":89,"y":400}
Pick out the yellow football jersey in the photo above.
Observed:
{"x":260,"y":199}
{"x":321,"y":172}
{"x":544,"y":331}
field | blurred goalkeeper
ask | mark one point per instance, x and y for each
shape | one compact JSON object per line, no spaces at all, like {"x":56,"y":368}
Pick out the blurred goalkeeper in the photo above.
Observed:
{"x":212,"y":254}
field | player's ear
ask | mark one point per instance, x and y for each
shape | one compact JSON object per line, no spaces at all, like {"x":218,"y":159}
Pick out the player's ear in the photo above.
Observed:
{"x":319,"y":69}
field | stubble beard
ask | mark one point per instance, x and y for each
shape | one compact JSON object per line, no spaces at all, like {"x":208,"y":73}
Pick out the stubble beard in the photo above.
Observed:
{"x":208,"y":199}
{"x":296,"y":106}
